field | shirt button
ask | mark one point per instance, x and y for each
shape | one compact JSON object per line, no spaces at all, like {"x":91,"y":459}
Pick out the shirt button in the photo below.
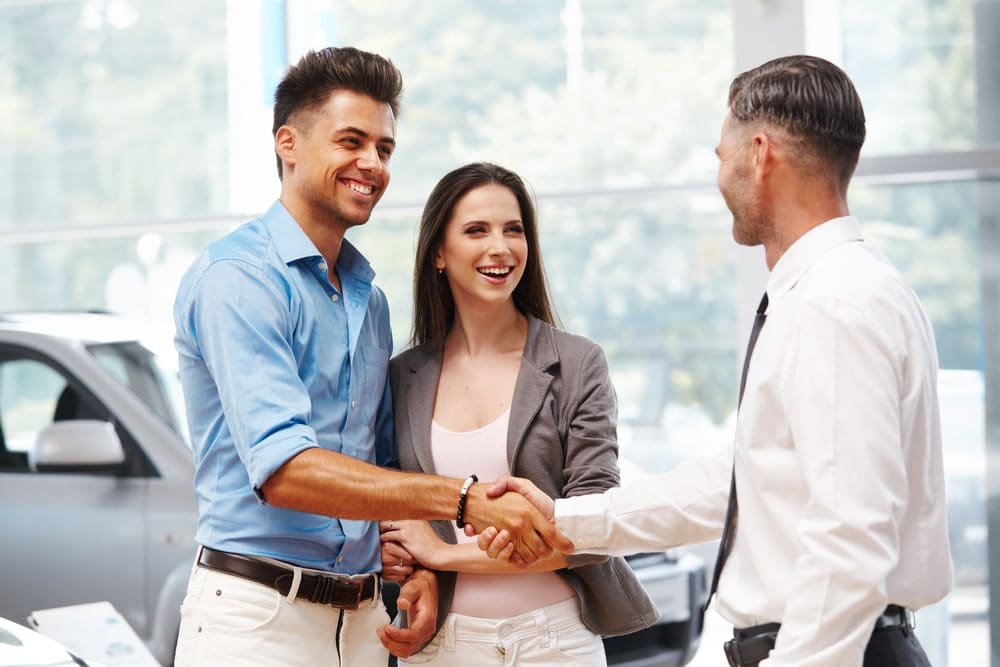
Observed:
{"x":321,"y":266}
{"x":353,"y":405}
{"x":340,"y":559}
{"x":335,"y":298}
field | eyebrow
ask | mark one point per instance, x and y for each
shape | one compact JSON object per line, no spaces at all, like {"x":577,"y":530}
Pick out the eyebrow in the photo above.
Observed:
{"x":512,"y":221}
{"x":350,"y":129}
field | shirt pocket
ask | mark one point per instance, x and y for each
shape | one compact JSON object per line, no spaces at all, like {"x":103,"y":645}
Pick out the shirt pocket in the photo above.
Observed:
{"x":373,"y":371}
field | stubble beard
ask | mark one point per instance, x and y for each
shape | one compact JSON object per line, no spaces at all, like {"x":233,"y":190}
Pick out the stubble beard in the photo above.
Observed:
{"x":750,"y":225}
{"x":335,"y":215}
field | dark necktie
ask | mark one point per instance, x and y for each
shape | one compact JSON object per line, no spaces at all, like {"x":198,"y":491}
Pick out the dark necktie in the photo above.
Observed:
{"x":725,"y":544}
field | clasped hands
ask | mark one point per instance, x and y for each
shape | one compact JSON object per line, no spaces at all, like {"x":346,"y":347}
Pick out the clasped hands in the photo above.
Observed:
{"x":500,"y":540}
{"x":514,"y":521}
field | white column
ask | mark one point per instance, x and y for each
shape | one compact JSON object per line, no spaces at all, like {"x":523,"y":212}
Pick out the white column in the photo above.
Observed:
{"x":763,"y":29}
{"x":256,"y":61}
{"x":311,"y":25}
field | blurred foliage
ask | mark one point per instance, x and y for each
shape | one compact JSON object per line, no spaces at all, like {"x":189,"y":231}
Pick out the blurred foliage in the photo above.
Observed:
{"x":116,"y":110}
{"x":912,"y":60}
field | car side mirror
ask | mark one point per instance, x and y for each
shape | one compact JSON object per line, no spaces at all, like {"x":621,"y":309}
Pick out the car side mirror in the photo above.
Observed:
{"x":77,"y":445}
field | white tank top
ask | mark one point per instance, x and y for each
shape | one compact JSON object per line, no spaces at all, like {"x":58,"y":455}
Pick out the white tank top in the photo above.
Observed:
{"x":483,"y":451}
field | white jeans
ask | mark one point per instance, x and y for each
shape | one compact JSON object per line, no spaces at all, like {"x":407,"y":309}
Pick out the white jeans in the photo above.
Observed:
{"x":552,"y":635}
{"x":227,"y":620}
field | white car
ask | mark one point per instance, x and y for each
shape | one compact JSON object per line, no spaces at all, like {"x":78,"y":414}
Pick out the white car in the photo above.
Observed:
{"x":21,"y":647}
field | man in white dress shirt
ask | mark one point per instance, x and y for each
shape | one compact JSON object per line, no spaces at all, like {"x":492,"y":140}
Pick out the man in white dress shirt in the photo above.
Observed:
{"x":841,"y":529}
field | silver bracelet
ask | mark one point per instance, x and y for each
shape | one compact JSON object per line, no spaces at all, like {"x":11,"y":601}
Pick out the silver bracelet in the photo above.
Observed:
{"x":463,"y":496}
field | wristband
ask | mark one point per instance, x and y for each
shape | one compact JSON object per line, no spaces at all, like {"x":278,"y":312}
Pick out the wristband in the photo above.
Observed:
{"x":463,"y":495}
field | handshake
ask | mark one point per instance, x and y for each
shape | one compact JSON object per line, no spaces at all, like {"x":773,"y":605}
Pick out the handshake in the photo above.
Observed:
{"x":514,"y":521}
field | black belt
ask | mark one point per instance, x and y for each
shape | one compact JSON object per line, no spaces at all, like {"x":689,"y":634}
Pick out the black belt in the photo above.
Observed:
{"x":751,"y":645}
{"x":338,"y":590}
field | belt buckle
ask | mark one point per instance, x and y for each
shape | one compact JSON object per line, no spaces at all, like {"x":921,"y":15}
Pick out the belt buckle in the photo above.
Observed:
{"x":337,"y":593}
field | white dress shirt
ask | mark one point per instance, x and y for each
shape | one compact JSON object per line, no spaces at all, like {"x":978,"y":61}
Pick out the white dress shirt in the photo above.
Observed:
{"x":838,"y":463}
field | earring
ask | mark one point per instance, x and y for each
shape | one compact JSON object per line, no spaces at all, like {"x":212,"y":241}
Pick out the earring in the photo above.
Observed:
{"x":440,"y":272}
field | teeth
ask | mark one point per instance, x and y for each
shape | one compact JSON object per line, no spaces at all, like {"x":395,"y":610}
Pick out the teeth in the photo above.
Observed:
{"x":496,"y":271}
{"x":363,"y":189}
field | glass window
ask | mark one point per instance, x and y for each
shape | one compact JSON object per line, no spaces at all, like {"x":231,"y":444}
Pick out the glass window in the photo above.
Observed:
{"x":146,"y":375}
{"x":611,"y":111}
{"x":29,"y":391}
{"x":134,"y":275}
{"x":575,"y":96}
{"x":111,"y":110}
{"x":913,"y":63}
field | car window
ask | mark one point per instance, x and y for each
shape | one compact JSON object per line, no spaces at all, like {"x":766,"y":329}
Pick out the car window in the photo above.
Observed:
{"x":146,"y":375}
{"x":29,"y":392}
{"x":35,"y":393}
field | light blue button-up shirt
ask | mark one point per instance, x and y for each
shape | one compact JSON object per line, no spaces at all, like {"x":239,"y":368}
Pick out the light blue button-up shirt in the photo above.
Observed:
{"x":275,"y":360}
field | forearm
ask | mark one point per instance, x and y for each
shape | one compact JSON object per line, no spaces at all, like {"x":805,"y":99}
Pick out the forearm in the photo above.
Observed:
{"x":682,"y":506}
{"x":470,"y":558}
{"x":319,"y":481}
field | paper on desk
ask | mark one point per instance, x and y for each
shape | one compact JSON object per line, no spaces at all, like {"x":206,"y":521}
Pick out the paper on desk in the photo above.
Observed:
{"x":95,"y":631}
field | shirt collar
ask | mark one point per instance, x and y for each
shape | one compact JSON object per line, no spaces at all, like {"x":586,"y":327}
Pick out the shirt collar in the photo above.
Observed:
{"x":292,"y":244}
{"x":807,"y":249}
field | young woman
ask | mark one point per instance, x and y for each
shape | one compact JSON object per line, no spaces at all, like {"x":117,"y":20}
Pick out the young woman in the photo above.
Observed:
{"x":491,"y":387}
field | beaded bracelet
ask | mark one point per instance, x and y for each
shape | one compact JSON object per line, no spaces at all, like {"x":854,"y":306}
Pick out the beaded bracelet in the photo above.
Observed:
{"x":463,"y":496}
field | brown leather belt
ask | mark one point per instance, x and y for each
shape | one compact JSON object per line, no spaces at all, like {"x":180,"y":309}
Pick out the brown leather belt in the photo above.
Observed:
{"x":337,"y":590}
{"x":751,"y":645}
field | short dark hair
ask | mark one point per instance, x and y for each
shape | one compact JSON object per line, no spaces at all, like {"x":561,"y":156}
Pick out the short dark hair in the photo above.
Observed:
{"x":433,"y":305}
{"x":307,"y":84}
{"x":810,"y":98}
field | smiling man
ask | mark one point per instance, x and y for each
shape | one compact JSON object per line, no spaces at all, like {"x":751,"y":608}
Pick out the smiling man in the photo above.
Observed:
{"x":831,"y":505}
{"x":284,"y":345}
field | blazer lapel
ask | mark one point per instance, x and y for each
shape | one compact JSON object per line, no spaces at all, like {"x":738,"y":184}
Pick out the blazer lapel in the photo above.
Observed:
{"x":533,"y":380}
{"x":421,"y":388}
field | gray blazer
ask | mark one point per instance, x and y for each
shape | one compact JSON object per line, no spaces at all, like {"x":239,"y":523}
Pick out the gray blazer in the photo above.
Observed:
{"x":562,"y":435}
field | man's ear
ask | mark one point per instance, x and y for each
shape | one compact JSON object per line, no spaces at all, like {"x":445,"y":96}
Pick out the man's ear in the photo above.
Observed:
{"x":764,"y":154}
{"x":284,"y":144}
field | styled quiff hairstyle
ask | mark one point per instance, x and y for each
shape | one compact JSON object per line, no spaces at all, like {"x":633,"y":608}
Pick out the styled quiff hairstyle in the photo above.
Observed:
{"x":433,"y":305}
{"x":307,"y":84}
{"x":811,"y":99}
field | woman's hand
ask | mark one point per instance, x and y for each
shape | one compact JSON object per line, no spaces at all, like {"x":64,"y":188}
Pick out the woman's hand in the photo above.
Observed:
{"x":416,"y":540}
{"x":397,"y":563}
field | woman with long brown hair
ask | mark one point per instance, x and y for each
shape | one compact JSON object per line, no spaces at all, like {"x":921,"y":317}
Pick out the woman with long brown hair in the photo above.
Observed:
{"x":491,"y":387}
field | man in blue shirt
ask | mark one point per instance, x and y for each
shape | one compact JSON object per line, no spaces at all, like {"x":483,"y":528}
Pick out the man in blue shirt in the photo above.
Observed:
{"x":284,"y":343}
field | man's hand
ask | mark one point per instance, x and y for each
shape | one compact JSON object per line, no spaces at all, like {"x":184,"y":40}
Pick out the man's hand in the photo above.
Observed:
{"x":419,"y":598}
{"x":526,"y":488}
{"x":497,"y":543}
{"x":518,"y":508}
